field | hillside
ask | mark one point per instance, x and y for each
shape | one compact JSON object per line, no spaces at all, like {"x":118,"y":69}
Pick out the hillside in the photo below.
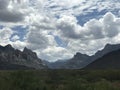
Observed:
{"x":108,"y":61}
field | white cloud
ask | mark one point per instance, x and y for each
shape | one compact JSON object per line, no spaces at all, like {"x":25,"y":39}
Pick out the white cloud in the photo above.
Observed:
{"x":108,"y":26}
{"x":19,"y":44}
{"x":77,"y":7}
{"x":15,"y":38}
{"x":92,"y":36}
{"x":5,"y":35}
{"x":87,"y":46}
{"x":68,"y":27}
{"x":44,"y":25}
{"x":37,"y":39}
{"x":111,"y":25}
{"x":54,"y":53}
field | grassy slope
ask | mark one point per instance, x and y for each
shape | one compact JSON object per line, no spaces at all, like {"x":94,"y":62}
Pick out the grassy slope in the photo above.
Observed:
{"x":60,"y":80}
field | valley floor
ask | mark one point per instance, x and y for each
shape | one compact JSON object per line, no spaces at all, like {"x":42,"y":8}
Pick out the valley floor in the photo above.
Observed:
{"x":60,"y":80}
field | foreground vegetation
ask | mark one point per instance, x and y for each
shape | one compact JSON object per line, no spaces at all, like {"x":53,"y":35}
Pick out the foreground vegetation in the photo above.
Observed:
{"x":60,"y":80}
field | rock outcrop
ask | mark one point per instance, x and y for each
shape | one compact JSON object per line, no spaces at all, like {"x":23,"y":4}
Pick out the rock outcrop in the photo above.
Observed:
{"x":26,"y":58}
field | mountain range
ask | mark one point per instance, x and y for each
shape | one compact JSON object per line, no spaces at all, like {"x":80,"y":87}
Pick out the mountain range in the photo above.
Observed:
{"x":11,"y":58}
{"x":81,"y":60}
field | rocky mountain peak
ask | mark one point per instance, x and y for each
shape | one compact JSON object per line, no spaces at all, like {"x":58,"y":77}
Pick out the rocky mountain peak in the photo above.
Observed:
{"x":79,"y":56}
{"x":26,"y":50}
{"x":26,"y":57}
{"x":108,"y":46}
{"x":8,"y":46}
{"x":29,"y":52}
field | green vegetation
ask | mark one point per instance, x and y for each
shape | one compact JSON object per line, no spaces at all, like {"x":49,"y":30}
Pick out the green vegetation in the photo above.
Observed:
{"x":60,"y":80}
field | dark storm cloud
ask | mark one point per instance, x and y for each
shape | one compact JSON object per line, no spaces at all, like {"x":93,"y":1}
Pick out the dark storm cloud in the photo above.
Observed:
{"x":4,"y":4}
{"x":7,"y":15}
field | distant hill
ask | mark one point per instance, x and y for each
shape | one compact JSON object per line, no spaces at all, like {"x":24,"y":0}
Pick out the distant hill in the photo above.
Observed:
{"x":11,"y":58}
{"x":108,"y":61}
{"x":81,"y":60}
{"x":60,"y":64}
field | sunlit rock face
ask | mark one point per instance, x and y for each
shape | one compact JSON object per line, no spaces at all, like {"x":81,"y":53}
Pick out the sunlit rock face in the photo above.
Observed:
{"x":27,"y":58}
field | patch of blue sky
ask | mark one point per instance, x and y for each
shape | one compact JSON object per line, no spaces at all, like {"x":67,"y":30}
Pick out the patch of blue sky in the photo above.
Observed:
{"x":116,"y":12}
{"x":1,"y":26}
{"x":82,"y":19}
{"x":20,"y":31}
{"x":12,"y":37}
{"x":95,"y":14}
{"x":60,"y":42}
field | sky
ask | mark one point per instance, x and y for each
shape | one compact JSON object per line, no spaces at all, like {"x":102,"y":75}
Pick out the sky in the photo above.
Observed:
{"x":58,"y":29}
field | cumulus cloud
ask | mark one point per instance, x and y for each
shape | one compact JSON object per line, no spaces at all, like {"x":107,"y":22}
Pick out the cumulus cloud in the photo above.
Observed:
{"x":54,"y":53}
{"x":15,"y":38}
{"x":3,"y":4}
{"x":108,"y":26}
{"x":19,"y":44}
{"x":5,"y":35}
{"x":90,"y":37}
{"x":111,"y":25}
{"x":68,"y":27}
{"x":76,"y":7}
{"x":47,"y":19}
{"x":38,"y":36}
{"x":9,"y":16}
{"x":8,"y":12}
{"x":39,"y":40}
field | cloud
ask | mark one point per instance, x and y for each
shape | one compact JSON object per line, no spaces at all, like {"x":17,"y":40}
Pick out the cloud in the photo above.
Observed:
{"x":9,"y":15}
{"x":47,"y":19}
{"x":90,"y":37}
{"x":68,"y":27}
{"x":108,"y":26}
{"x":39,"y":40}
{"x":54,"y":53}
{"x":111,"y":24}
{"x":5,"y":35}
{"x":15,"y":38}
{"x":19,"y":44}
{"x":3,"y":4}
{"x":38,"y":36}
{"x":76,"y":7}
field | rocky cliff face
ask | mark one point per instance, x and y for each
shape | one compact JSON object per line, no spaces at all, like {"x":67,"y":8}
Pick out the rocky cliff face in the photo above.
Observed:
{"x":26,"y":57}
